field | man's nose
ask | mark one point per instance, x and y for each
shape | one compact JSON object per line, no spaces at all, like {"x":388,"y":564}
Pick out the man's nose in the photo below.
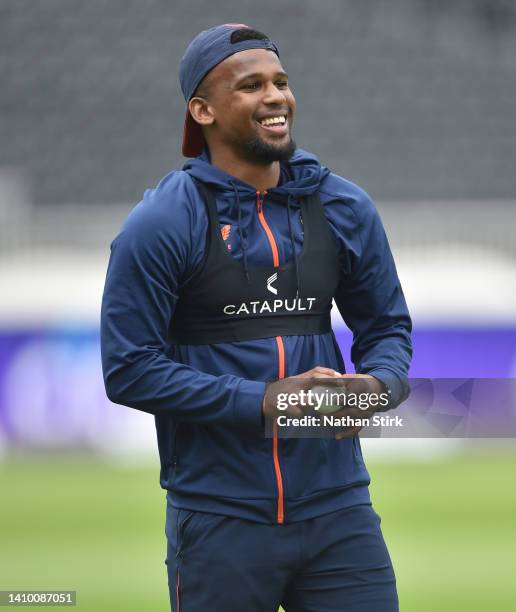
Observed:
{"x":274,"y":95}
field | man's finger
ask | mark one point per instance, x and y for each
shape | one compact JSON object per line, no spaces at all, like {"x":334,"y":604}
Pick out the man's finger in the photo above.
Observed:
{"x":319,"y":372}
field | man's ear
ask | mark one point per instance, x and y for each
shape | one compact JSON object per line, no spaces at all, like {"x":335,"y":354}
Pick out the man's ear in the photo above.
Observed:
{"x":201,"y":110}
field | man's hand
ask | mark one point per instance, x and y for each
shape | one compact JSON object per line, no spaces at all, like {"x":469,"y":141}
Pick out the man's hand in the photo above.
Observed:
{"x":295,"y":384}
{"x":358,"y":383}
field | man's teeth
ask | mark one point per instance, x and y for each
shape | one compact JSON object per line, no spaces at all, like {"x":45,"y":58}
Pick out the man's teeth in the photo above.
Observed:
{"x":274,"y":120}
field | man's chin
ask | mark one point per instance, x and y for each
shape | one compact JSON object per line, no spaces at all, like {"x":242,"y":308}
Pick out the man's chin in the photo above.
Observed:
{"x":265,"y":152}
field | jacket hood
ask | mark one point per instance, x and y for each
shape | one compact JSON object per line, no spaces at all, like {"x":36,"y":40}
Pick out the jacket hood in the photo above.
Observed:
{"x":300,"y":176}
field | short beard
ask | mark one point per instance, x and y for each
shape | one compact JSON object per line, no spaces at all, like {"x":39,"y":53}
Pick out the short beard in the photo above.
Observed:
{"x":264,"y":153}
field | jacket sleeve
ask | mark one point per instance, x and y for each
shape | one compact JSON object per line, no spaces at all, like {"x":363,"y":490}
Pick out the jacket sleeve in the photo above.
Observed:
{"x":148,"y":259}
{"x":370,"y":298}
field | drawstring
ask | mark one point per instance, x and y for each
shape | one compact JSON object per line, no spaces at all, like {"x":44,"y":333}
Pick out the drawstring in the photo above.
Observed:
{"x":240,"y":233}
{"x":242,"y":241}
{"x":296,"y":263}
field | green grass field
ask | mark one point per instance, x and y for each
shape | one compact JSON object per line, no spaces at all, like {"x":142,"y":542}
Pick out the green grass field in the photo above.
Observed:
{"x":99,"y":529}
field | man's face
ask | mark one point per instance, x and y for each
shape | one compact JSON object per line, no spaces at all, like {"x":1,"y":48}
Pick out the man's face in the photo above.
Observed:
{"x":252,"y":106}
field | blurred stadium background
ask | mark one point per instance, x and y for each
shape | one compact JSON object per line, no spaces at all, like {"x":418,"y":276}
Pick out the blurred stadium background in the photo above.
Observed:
{"x":415,"y":100}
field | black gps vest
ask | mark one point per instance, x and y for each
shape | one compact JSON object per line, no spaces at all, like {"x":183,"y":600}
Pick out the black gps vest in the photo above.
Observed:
{"x":220,"y":304}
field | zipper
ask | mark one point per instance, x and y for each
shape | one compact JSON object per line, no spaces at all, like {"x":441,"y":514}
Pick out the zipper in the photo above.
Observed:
{"x":265,"y":225}
{"x":280,"y":512}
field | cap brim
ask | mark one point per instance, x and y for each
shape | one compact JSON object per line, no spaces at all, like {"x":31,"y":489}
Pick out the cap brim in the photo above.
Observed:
{"x":193,"y":138}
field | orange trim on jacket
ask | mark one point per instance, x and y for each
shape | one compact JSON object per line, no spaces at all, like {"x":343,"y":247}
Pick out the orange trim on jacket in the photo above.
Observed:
{"x":280,"y":513}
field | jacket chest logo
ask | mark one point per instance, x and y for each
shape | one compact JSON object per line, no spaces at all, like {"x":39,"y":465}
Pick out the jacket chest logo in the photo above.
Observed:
{"x":225,"y":230}
{"x":270,"y":280}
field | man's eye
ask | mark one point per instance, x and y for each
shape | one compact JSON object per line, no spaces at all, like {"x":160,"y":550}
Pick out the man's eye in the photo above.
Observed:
{"x":254,"y":85}
{"x":282,"y":84}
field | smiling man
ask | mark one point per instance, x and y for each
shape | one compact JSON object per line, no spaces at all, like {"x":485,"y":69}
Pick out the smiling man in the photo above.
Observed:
{"x":217,"y":303}
{"x":240,"y":122}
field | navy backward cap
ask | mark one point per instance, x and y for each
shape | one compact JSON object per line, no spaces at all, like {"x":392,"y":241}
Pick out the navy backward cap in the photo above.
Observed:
{"x":206,"y":50}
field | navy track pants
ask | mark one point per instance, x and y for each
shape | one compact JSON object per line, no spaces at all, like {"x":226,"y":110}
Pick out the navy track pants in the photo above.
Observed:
{"x":332,"y":563}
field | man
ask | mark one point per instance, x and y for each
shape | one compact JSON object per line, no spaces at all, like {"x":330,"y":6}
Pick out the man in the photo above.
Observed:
{"x":217,"y":300}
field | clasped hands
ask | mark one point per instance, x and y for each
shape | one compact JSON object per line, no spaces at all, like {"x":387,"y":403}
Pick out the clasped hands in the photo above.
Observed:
{"x":356,"y":384}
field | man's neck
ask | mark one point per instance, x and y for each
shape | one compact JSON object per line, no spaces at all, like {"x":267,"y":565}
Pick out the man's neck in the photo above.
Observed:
{"x":261,"y":177}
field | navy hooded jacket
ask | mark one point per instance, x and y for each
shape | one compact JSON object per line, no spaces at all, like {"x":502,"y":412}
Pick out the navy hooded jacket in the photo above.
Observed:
{"x":207,"y":398}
